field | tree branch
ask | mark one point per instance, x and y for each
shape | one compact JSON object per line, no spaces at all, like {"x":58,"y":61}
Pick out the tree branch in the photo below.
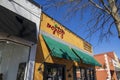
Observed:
{"x":106,"y":7}
{"x":96,"y":5}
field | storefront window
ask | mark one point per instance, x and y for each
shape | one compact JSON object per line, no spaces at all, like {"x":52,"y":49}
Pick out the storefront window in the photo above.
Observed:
{"x":88,"y":74}
{"x":13,"y":59}
{"x":93,"y":76}
{"x":54,"y":72}
{"x":84,"y":73}
{"x":78,"y":74}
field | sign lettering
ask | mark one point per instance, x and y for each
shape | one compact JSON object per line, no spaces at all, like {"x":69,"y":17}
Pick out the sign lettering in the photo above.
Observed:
{"x":56,"y":30}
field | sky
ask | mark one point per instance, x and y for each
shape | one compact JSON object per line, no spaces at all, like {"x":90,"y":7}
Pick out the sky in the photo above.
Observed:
{"x":76,"y":25}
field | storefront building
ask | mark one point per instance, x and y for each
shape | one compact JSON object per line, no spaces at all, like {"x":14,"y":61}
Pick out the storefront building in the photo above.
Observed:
{"x":61,"y":54}
{"x":19,"y":21}
{"x":110,"y":69}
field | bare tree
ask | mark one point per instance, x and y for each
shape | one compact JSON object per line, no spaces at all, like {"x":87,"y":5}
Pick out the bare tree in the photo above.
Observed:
{"x":106,"y":14}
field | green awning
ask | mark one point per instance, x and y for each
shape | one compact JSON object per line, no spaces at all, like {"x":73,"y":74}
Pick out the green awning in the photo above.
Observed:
{"x":59,"y":49}
{"x":86,"y":58}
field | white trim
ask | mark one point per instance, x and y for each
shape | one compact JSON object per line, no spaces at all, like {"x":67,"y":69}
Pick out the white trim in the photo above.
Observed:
{"x":108,"y":67}
{"x":101,"y":69}
{"x":31,"y":63}
{"x":37,"y":14}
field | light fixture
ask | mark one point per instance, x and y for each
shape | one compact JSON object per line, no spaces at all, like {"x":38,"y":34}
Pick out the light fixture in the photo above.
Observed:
{"x":7,"y":42}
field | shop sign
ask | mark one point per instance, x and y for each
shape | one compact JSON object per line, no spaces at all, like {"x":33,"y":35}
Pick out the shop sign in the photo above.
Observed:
{"x":56,"y":30}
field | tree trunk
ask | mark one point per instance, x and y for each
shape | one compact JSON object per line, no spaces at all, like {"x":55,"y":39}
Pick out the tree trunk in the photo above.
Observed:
{"x":115,"y":15}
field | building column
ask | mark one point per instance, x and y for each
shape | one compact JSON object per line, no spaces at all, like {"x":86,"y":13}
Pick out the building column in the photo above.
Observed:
{"x":108,"y":67}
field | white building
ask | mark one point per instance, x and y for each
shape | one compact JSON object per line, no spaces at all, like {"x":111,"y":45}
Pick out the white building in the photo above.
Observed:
{"x":19,"y":27}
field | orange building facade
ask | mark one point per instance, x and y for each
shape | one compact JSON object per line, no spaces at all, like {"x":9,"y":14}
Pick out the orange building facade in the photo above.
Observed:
{"x":62,"y":55}
{"x":110,"y":69}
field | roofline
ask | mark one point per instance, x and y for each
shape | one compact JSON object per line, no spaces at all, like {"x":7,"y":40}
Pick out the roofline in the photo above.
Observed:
{"x":35,"y":3}
{"x":66,"y":27}
{"x":104,"y":53}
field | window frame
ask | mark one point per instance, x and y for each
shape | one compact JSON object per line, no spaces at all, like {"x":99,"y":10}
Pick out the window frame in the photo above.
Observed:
{"x":86,"y":76}
{"x":19,"y":41}
{"x":53,"y":65}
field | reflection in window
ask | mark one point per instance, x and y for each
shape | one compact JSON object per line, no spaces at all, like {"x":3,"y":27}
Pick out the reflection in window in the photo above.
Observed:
{"x":88,"y":74}
{"x":21,"y":71}
{"x":92,"y":72}
{"x":84,"y":74}
{"x":11,"y":57}
{"x":78,"y":74}
{"x":54,"y":72}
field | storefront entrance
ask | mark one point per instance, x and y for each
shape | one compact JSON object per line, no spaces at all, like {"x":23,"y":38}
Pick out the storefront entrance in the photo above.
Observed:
{"x":54,"y":72}
{"x":13,"y":60}
{"x":18,"y":46}
{"x":84,"y":73}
